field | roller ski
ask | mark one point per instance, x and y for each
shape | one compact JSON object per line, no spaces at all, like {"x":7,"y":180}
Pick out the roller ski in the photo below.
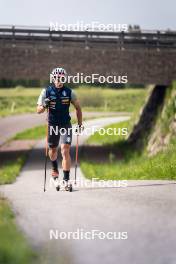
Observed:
{"x":64,"y":187}
{"x":68,"y":186}
{"x":55,"y":176}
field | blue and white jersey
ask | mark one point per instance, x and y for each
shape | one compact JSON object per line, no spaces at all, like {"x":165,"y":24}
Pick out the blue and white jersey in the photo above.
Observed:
{"x":60,"y":103}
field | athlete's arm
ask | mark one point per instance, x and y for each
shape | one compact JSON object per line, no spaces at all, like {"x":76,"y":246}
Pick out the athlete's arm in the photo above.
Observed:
{"x":78,"y":111}
{"x":40,"y":102}
{"x":77,"y":106}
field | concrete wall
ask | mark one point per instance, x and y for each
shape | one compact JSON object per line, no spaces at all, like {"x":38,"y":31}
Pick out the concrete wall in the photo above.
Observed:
{"x":34,"y":60}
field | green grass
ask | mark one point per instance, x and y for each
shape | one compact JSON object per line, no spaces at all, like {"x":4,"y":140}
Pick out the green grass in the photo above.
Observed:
{"x":34,"y":133}
{"x":11,"y":169}
{"x":18,"y":100}
{"x":159,"y":167}
{"x":98,"y":139}
{"x":136,"y":164}
{"x":13,"y":246}
{"x":37,"y":132}
{"x":169,"y":112}
{"x":23,"y":100}
{"x":106,"y":139}
{"x":103,"y":99}
{"x":17,"y":105}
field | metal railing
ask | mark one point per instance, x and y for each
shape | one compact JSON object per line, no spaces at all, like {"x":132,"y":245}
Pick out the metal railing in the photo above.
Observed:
{"x":140,"y":38}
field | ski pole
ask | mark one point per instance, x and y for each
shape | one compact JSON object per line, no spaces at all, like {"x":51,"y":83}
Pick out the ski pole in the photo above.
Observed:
{"x":76,"y":158}
{"x":46,"y":152}
{"x":46,"y":158}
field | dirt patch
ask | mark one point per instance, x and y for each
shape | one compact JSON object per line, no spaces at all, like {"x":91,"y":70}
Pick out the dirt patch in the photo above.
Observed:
{"x":15,"y":145}
{"x":13,"y":149}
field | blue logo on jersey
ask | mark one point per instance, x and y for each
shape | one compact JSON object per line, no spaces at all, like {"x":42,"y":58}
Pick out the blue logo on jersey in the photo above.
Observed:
{"x":64,"y":93}
{"x":52,"y":93}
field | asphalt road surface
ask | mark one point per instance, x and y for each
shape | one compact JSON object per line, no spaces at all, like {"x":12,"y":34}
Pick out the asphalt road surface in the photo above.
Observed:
{"x":144,"y":210}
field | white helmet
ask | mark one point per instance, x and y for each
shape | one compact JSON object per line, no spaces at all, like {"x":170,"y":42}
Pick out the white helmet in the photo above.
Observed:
{"x":59,"y":72}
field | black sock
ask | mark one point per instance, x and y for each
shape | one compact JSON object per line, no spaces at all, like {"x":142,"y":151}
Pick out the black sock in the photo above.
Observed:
{"x":66,"y":175}
{"x":54,"y":165}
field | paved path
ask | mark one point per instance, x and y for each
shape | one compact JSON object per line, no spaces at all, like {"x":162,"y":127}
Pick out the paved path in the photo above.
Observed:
{"x":144,"y":209}
{"x":11,"y":125}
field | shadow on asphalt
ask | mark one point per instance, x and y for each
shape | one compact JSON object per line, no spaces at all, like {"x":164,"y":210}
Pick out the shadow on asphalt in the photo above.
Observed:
{"x":35,"y":157}
{"x":36,"y":161}
{"x":92,"y":153}
{"x":118,"y":187}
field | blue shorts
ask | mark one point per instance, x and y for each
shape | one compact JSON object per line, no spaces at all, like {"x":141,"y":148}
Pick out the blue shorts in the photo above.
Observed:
{"x":57,"y":133}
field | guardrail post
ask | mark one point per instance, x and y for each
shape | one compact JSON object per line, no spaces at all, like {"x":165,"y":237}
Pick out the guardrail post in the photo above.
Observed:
{"x":86,"y":40}
{"x":158,"y":41}
{"x":122,"y":40}
{"x":13,"y":32}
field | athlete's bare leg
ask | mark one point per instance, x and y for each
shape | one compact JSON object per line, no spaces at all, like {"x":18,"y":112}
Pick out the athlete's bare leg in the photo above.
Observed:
{"x":53,"y":158}
{"x":53,"y":154}
{"x":66,"y":160}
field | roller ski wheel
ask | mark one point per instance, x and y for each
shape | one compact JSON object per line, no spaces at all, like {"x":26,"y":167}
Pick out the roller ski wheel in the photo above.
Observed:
{"x":69,"y":188}
{"x":58,"y":188}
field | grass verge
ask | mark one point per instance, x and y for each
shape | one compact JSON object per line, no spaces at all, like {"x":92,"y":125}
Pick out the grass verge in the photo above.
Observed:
{"x":34,"y":133}
{"x":13,"y":246}
{"x":119,"y":132}
{"x":23,"y":100}
{"x":11,"y":169}
{"x":135,"y":167}
{"x":136,"y":164}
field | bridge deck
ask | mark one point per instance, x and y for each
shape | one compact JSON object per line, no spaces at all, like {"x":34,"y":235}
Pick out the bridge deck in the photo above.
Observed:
{"x":148,"y":39}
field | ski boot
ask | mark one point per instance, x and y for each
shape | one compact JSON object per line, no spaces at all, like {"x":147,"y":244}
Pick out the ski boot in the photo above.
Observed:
{"x":55,"y":175}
